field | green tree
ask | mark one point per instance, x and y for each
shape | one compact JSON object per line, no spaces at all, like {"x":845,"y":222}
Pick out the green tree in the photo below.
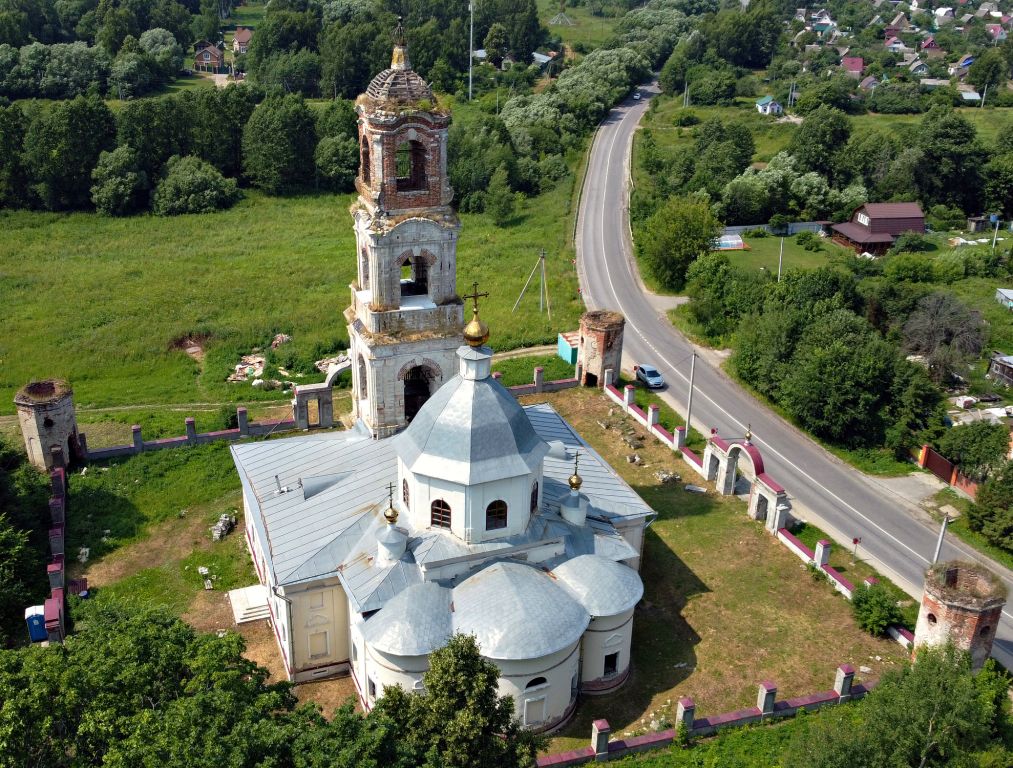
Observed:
{"x":217,"y":118}
{"x":497,"y":44}
{"x":874,"y":609}
{"x":278,"y":145}
{"x":13,"y":176}
{"x":988,"y":70}
{"x":499,"y":198}
{"x":992,"y":511}
{"x":156,"y":129}
{"x":977,"y":448}
{"x":999,"y":185}
{"x":458,"y":721}
{"x":931,"y":713}
{"x":823,"y":134}
{"x":192,"y":186}
{"x":120,"y":184}
{"x":162,"y":46}
{"x":950,"y":171}
{"x":946,"y":332}
{"x":62,"y":148}
{"x":338,"y":119}
{"x":681,"y":231}
{"x":337,"y":161}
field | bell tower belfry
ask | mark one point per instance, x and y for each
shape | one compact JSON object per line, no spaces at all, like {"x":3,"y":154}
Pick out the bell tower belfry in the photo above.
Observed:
{"x":405,"y":320}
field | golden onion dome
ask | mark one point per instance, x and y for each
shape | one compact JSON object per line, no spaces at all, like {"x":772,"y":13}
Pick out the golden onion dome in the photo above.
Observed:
{"x":390,"y":515}
{"x":575,"y":480}
{"x":476,"y":332}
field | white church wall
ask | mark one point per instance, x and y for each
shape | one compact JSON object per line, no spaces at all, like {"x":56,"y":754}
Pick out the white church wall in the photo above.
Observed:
{"x":540,"y":705}
{"x":515,"y":491}
{"x":282,"y":627}
{"x":606,"y":635}
{"x":319,"y":627}
{"x":383,"y":669}
{"x":633,"y":531}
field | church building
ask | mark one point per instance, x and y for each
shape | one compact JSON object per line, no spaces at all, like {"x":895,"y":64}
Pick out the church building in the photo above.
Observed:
{"x":449,"y":508}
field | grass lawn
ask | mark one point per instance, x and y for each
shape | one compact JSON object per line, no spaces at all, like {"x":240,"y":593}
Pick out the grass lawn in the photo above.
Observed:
{"x":521,"y":370}
{"x":102,"y":301}
{"x":763,"y":253}
{"x":725,"y":604}
{"x":590,"y":30}
{"x":246,"y":15}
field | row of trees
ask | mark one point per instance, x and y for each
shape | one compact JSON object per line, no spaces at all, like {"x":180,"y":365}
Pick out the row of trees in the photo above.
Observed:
{"x":77,"y":153}
{"x":66,"y":70}
{"x":140,"y":688}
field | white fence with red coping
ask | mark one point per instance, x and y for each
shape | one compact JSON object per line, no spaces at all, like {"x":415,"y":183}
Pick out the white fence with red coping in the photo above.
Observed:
{"x":603,"y":747}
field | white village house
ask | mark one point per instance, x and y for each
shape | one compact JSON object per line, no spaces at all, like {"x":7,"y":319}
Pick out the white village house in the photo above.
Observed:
{"x":477,"y":516}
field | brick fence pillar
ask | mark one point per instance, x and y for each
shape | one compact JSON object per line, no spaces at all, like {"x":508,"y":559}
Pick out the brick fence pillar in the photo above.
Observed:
{"x":497,"y":375}
{"x":629,"y":395}
{"x":539,"y":378}
{"x":822,"y":554}
{"x":609,"y":377}
{"x":600,"y":730}
{"x":243,"y":421}
{"x":137,"y":439}
{"x":685,"y":713}
{"x":191,"y":430}
{"x":844,"y":680}
{"x":653,"y":415}
{"x":55,"y":572}
{"x":57,"y":508}
{"x":765,"y":698}
{"x":82,"y":442}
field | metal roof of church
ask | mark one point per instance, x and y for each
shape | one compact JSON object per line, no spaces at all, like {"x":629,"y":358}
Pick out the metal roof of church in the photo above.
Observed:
{"x":603,"y":587}
{"x":336,"y":489}
{"x":471,"y":431}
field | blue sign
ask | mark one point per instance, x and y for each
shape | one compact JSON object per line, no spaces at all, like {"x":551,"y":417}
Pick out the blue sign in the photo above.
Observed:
{"x":994,"y":218}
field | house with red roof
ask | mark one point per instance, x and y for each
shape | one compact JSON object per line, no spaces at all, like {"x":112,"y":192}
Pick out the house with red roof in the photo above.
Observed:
{"x":875,"y":226}
{"x":241,"y":41}
{"x":854,"y":66}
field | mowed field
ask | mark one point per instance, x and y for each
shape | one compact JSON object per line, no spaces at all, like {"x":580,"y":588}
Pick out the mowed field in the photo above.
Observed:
{"x":104,"y":302}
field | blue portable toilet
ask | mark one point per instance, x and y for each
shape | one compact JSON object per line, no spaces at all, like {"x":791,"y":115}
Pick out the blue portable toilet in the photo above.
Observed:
{"x":35,"y":618}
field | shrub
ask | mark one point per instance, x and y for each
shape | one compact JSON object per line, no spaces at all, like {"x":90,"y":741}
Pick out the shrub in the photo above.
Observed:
{"x":911,"y":242}
{"x":686,"y":119}
{"x":875,"y":609}
{"x":337,"y":161}
{"x":809,"y":240}
{"x":119,"y":183}
{"x":193,"y":186}
{"x":756,"y":232}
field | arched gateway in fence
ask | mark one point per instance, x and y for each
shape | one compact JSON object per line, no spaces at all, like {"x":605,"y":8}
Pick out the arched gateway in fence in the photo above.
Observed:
{"x":767,"y":499}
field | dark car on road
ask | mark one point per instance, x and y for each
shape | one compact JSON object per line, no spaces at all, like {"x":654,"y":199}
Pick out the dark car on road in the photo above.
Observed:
{"x":650,"y":376}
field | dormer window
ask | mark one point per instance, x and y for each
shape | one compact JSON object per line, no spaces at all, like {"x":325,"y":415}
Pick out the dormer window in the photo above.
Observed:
{"x":496,"y":515}
{"x":534,"y":497}
{"x":439,"y":514}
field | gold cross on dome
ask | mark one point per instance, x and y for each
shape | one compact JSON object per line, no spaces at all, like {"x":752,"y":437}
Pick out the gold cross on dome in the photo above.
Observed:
{"x":475,"y":296}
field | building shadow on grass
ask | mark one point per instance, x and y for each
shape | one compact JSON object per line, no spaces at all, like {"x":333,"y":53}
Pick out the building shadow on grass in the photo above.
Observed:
{"x":97,"y":518}
{"x":663,"y":647}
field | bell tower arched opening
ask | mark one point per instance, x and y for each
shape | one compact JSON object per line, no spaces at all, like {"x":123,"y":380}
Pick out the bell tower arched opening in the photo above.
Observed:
{"x":410,"y":166}
{"x":418,"y":387}
{"x":414,"y":276}
{"x":364,"y":160}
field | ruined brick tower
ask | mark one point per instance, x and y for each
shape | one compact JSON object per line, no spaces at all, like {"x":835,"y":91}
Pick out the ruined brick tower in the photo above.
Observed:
{"x":962,"y":603}
{"x":48,"y":423}
{"x":405,"y":320}
{"x":601,"y":346}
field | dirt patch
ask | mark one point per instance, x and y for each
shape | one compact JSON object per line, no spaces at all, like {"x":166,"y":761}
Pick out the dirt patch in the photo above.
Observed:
{"x":193,"y":344}
{"x":166,"y":542}
{"x":328,"y":694}
{"x":210,"y":611}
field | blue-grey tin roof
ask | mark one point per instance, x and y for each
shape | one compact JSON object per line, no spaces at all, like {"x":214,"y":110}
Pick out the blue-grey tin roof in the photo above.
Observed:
{"x":471,"y":431}
{"x":604,"y":587}
{"x":516,"y":611}
{"x":414,"y":623}
{"x":326,"y":520}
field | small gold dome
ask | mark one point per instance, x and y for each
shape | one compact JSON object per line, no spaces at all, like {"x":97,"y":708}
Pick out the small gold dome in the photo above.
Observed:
{"x":575,"y":482}
{"x":390,"y":515}
{"x":476,"y":333}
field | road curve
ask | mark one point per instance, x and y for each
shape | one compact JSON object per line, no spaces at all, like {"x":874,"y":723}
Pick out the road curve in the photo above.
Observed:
{"x":897,"y":537}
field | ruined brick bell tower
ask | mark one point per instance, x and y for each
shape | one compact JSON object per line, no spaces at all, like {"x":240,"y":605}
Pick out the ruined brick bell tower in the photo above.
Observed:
{"x":962,"y":604}
{"x":405,"y":320}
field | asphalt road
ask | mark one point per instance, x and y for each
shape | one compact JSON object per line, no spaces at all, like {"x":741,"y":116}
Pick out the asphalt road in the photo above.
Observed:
{"x":898,"y":538}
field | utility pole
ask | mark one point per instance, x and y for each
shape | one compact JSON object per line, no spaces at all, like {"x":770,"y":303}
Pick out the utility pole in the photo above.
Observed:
{"x":939,"y":543}
{"x":995,"y":235}
{"x":780,"y":258}
{"x":689,"y":403}
{"x":984,"y":93}
{"x":471,"y":44}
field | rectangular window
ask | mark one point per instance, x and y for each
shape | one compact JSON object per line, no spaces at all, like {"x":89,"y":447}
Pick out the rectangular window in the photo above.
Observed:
{"x":371,"y":687}
{"x":611,"y":664}
{"x":534,"y":711}
{"x":318,"y":645}
{"x":863,"y":219}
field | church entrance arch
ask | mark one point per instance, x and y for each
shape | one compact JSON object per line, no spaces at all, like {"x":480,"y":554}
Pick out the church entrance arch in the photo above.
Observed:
{"x":418,"y":386}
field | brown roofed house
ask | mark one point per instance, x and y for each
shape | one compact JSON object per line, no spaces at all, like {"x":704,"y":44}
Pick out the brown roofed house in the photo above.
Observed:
{"x":241,"y":41}
{"x":208,"y":58}
{"x":875,"y":226}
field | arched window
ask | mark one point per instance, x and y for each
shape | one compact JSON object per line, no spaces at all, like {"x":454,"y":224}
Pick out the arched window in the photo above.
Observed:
{"x":496,"y":515}
{"x":534,"y":497}
{"x":410,"y":166}
{"x":535,"y":683}
{"x":364,"y":160}
{"x":440,"y":514}
{"x":404,"y":492}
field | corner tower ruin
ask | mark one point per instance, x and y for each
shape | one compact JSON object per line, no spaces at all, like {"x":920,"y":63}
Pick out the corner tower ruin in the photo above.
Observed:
{"x":405,"y":319}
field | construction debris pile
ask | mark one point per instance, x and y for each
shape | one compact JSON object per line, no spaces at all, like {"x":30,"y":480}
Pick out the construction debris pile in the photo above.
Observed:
{"x":223,"y":527}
